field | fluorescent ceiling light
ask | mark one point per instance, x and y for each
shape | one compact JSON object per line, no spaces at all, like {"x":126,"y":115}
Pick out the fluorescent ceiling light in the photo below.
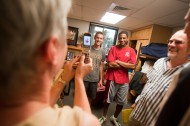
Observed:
{"x":112,"y":18}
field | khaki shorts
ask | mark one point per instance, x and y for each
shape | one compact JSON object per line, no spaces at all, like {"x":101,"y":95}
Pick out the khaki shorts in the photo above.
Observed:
{"x":118,"y":93}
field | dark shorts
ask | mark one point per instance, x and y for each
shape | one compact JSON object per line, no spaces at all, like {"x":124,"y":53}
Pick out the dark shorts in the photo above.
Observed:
{"x":91,"y":89}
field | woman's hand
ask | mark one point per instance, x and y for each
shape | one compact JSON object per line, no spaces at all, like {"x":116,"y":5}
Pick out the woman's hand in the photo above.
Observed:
{"x":82,"y":68}
{"x":69,"y":71}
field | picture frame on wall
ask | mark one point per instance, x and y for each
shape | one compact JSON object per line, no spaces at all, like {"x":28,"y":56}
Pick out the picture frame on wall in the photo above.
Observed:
{"x":72,"y":35}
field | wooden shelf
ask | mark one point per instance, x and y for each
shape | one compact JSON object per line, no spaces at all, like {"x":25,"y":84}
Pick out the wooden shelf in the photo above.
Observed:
{"x":74,"y":48}
{"x":73,"y":51}
{"x":144,"y":56}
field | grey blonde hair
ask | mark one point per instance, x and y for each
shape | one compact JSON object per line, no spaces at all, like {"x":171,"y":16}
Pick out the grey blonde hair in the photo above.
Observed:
{"x":25,"y":26}
{"x":99,"y":32}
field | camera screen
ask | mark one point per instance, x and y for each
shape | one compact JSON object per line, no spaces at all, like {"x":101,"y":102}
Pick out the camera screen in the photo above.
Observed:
{"x":87,"y":40}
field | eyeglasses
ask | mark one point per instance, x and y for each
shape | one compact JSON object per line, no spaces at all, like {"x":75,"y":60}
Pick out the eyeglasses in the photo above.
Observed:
{"x":177,"y":42}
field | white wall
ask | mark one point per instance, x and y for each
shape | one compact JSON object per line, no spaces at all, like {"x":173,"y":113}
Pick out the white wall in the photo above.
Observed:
{"x":82,"y":25}
{"x":177,"y":29}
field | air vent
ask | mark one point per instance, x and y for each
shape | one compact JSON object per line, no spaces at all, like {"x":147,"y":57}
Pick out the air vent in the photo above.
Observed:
{"x":119,"y":8}
{"x":115,"y":8}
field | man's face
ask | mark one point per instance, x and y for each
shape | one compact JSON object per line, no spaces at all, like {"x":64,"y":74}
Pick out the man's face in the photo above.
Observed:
{"x":122,"y":40}
{"x":98,"y":39}
{"x":187,"y":28}
{"x":177,"y":46}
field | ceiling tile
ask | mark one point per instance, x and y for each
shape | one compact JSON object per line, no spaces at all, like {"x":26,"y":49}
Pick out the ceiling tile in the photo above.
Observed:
{"x":76,"y":11}
{"x":92,"y":14}
{"x":97,"y":4}
{"x":131,"y":21}
{"x":160,"y":8}
{"x":173,"y":20}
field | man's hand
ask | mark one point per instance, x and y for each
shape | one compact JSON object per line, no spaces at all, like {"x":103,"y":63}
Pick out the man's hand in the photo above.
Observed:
{"x":100,"y":84}
{"x":133,"y":105}
{"x":117,"y":61}
{"x":113,"y":65}
{"x":126,"y":65}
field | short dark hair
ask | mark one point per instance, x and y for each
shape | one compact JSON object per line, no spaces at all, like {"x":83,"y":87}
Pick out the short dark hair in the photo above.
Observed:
{"x":123,"y":32}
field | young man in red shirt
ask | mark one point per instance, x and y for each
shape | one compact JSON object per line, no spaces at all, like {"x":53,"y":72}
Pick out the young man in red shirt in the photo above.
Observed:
{"x":120,"y":58}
